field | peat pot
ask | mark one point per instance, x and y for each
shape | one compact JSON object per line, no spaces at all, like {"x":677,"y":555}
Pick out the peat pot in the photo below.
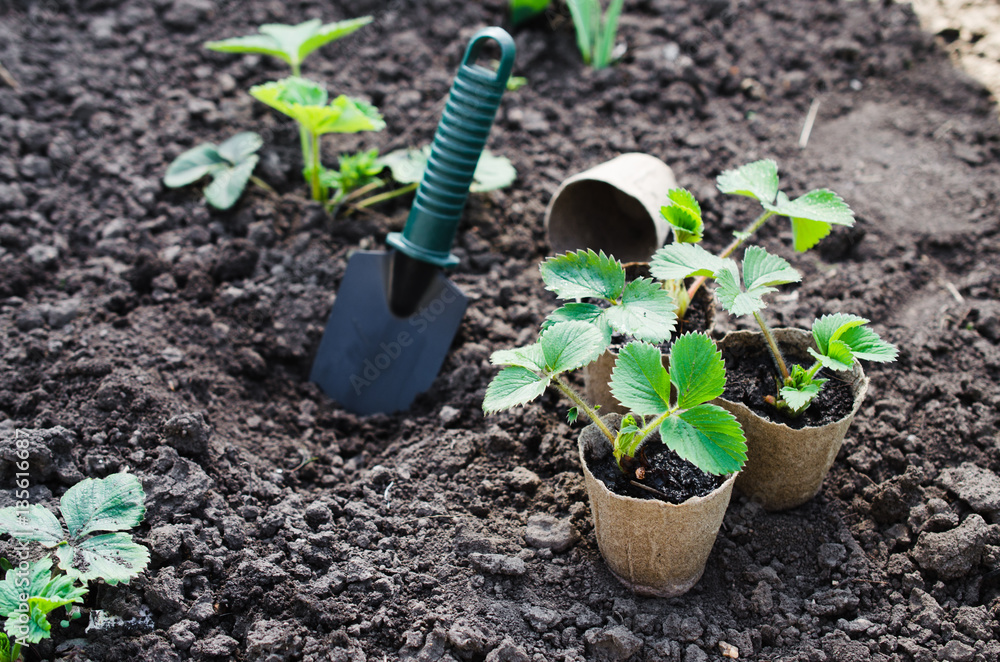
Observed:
{"x":785,"y":467}
{"x":597,"y":375}
{"x":655,"y":548}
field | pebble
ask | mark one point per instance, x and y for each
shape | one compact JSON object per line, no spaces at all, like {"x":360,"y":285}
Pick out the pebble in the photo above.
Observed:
{"x":547,"y":532}
{"x":498,"y":564}
{"x":613,"y":644}
{"x":62,"y":312}
{"x":522,"y":479}
{"x":449,"y":415}
{"x":317,"y":514}
{"x":541,"y":619}
{"x":952,"y":554}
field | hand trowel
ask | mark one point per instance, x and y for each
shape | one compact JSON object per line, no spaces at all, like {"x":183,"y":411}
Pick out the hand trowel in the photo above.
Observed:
{"x":396,"y":314}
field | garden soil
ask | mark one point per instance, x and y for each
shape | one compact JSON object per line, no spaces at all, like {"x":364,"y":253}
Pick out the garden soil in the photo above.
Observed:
{"x":141,"y":331}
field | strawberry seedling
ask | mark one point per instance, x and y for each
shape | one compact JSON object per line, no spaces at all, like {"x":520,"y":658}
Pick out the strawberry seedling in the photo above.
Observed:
{"x":229,"y":164}
{"x":92,"y":546}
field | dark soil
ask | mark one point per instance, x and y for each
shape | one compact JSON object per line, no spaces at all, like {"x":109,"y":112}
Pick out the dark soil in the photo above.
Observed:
{"x":140,"y":330}
{"x":675,"y":480}
{"x":750,"y":377}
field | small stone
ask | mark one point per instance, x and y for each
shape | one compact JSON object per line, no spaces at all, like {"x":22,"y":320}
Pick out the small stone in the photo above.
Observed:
{"x":498,"y":564}
{"x":831,"y":554}
{"x":11,"y":197}
{"x":62,"y":312}
{"x":449,"y":415}
{"x":613,"y":644}
{"x":541,"y":619}
{"x":952,"y":554}
{"x":35,"y":167}
{"x":978,"y":487}
{"x":44,"y":256}
{"x":728,"y":650}
{"x":523,"y":480}
{"x":956,"y":651}
{"x":317,"y":514}
{"x":547,"y":532}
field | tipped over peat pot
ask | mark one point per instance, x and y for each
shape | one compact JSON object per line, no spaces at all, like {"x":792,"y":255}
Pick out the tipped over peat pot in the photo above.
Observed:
{"x":653,"y":547}
{"x":785,"y":465}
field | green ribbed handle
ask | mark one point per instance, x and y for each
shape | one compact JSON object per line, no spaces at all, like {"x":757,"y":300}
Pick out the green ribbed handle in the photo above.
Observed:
{"x":459,"y":140}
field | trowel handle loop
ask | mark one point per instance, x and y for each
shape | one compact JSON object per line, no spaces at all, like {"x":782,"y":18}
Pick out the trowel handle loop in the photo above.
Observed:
{"x":460,"y":138}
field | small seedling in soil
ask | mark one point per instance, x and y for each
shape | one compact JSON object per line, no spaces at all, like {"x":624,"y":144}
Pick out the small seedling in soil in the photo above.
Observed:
{"x":31,"y":591}
{"x":230,"y":165}
{"x":640,"y":309}
{"x":840,"y":338}
{"x":525,"y":10}
{"x":407,"y":167}
{"x":705,"y":435}
{"x":355,"y":171}
{"x":812,"y":216}
{"x":291,"y":43}
{"x":307,"y":102}
{"x":595,"y":34}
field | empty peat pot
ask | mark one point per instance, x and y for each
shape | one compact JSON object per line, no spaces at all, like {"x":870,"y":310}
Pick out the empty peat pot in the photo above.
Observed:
{"x":653,"y":547}
{"x":785,"y":467}
{"x":613,"y":207}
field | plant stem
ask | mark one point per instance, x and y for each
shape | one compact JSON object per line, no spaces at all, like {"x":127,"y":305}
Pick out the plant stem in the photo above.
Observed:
{"x":317,"y":188}
{"x":773,"y":345}
{"x":358,"y":192}
{"x":303,"y":134}
{"x":261,"y":183}
{"x":587,"y":409}
{"x":731,"y":248}
{"x":382,"y":197}
{"x":814,"y":369}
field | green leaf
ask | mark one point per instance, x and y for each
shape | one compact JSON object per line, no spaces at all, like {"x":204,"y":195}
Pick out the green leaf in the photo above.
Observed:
{"x":115,"y":503}
{"x":568,"y":312}
{"x":758,"y":180}
{"x":838,"y":356}
{"x":646,"y":312}
{"x":570,"y":345}
{"x":708,"y":436}
{"x":113,"y":557}
{"x":523,"y":10}
{"x":6,"y":654}
{"x":193,"y":164}
{"x":511,"y":387}
{"x":830,"y":327}
{"x":227,"y":185}
{"x":639,"y":381}
{"x":305,"y":101}
{"x":763,"y":270}
{"x":39,"y":574}
{"x":607,"y":33}
{"x":493,"y":173}
{"x":696,"y":369}
{"x":571,"y":415}
{"x":677,"y":261}
{"x":330,"y":32}
{"x":240,"y":147}
{"x":867,"y":345}
{"x":407,"y":165}
{"x":530,"y":357}
{"x":584,"y":274}
{"x":37,"y":524}
{"x":683,"y":215}
{"x":798,"y":399}
{"x":812,"y":215}
{"x":732,"y":297}
{"x":254,"y":43}
{"x":585,"y":22}
{"x":627,"y":441}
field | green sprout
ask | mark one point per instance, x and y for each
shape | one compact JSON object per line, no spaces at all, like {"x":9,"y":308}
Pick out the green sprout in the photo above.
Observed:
{"x":307,"y":102}
{"x":595,"y":34}
{"x":92,"y":546}
{"x":840,"y":338}
{"x":525,"y":10}
{"x":229,"y":164}
{"x":355,"y":171}
{"x":578,"y":333}
{"x":292,"y":44}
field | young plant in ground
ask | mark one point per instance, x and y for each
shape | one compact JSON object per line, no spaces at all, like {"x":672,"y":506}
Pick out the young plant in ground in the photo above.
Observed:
{"x":683,"y":215}
{"x":230,"y":165}
{"x":525,"y":10}
{"x":291,"y":43}
{"x":595,"y":33}
{"x":92,"y":546}
{"x":355,"y":171}
{"x":639,"y":309}
{"x":307,"y":102}
{"x":812,"y":216}
{"x":840,"y":338}
{"x":706,"y":435}
{"x":407,"y":167}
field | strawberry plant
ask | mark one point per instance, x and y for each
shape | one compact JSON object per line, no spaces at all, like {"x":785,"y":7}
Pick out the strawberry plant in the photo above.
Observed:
{"x":308,"y":103}
{"x":93,"y":545}
{"x":229,"y":164}
{"x":840,"y":338}
{"x":355,"y":171}
{"x":578,"y":333}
